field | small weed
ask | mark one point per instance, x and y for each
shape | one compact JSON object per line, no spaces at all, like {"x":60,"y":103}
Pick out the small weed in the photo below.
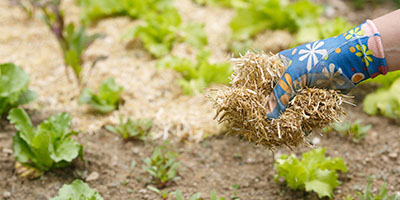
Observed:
{"x":235,"y":193}
{"x":355,"y":130}
{"x":237,"y":156}
{"x":132,"y":129}
{"x":162,"y":166}
{"x":163,"y":193}
{"x":382,"y":194}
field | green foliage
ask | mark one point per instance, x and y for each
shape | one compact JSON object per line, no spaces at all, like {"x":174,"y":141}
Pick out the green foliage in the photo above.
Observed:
{"x":355,"y":130}
{"x":385,"y":81}
{"x":96,"y":9}
{"x":382,"y":194}
{"x":359,"y":4}
{"x":385,"y":101}
{"x":48,"y":146}
{"x":130,"y":129}
{"x":314,"y":172}
{"x":73,"y":41}
{"x":14,"y":87}
{"x":318,"y":31}
{"x":163,"y":193}
{"x":300,"y":18}
{"x":162,"y":166}
{"x":222,"y":3}
{"x":197,"y":76}
{"x":159,"y":32}
{"x":77,"y":190}
{"x":107,"y":98}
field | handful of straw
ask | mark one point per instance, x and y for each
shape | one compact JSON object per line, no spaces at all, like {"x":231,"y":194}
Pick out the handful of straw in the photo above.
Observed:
{"x":242,"y":106}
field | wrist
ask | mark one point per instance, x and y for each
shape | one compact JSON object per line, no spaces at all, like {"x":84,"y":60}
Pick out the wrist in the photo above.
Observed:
{"x":389,"y":29}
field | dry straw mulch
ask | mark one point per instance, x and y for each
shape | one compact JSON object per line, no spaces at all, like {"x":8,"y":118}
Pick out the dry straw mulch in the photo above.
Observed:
{"x":243,"y":105}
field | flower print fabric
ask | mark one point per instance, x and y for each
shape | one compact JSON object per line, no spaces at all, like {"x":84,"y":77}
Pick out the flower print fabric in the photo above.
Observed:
{"x":340,"y":62}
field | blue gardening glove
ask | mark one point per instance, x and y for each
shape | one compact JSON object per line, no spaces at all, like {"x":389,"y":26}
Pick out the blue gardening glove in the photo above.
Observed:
{"x":340,"y":62}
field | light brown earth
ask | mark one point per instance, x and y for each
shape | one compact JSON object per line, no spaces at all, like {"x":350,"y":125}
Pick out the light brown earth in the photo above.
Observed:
{"x":217,"y":162}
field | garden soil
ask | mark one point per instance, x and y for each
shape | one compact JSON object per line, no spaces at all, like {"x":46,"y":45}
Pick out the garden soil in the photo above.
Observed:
{"x":217,"y":162}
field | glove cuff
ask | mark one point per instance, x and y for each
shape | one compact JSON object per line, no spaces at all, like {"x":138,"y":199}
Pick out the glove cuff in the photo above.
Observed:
{"x":376,"y":45}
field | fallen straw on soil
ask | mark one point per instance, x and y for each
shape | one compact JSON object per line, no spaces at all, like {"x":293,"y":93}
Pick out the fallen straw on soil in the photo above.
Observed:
{"x":242,"y":106}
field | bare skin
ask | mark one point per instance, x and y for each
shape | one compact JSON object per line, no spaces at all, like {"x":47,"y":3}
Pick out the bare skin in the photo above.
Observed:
{"x":389,"y":28}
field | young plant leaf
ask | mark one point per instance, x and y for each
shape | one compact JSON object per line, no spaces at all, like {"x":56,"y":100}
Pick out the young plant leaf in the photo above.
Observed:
{"x":314,"y":172}
{"x":14,"y":87}
{"x":46,"y":147}
{"x":106,"y":99}
{"x":77,"y":190}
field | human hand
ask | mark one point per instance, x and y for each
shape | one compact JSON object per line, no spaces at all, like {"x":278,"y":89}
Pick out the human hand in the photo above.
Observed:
{"x":339,"y":62}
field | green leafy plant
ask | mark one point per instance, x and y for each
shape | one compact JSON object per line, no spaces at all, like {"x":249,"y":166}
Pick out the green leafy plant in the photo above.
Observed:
{"x":197,"y":76}
{"x":359,"y":4}
{"x":355,"y":130}
{"x":385,"y":101}
{"x":45,"y":147}
{"x":77,"y":190}
{"x":385,"y":81}
{"x":73,"y":41}
{"x":222,"y":3}
{"x":132,"y":129}
{"x":107,"y":98}
{"x":96,"y":9}
{"x":382,"y":194}
{"x":300,"y":18}
{"x":159,"y":32}
{"x":14,"y":90}
{"x":314,"y":172}
{"x":162,"y":166}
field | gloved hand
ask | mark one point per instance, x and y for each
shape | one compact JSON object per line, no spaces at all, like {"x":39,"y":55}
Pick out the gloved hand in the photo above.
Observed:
{"x":340,"y":62}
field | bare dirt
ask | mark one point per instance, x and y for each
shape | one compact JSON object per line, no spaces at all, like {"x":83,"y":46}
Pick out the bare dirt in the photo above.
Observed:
{"x":217,"y":162}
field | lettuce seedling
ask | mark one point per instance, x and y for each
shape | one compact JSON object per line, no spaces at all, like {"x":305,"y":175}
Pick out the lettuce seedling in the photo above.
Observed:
{"x":196,"y":76}
{"x":162,"y":166}
{"x":14,"y":87}
{"x":385,"y":101}
{"x":93,"y":10}
{"x":77,"y":190}
{"x":73,"y":41}
{"x":382,"y":193}
{"x":222,"y":3}
{"x":314,"y":172}
{"x":47,"y":146}
{"x":107,"y":98}
{"x":355,"y":130}
{"x":300,"y":18}
{"x":159,"y":32}
{"x":132,"y":129}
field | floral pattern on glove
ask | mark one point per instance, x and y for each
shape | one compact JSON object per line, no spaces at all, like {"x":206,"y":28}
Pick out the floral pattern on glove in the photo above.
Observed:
{"x":335,"y":63}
